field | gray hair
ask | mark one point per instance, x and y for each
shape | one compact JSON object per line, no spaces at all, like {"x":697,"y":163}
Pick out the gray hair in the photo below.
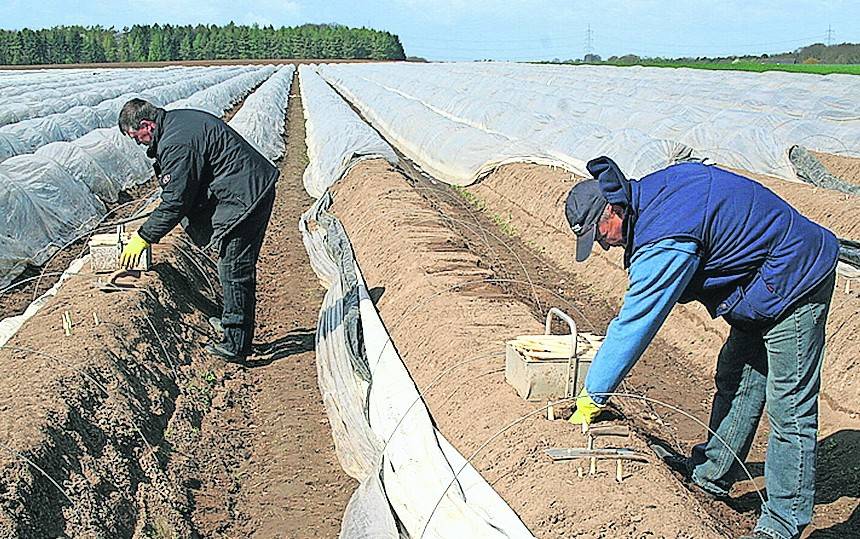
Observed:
{"x":135,"y":111}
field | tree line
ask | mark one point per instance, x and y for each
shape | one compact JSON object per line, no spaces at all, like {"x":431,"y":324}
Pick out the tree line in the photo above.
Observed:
{"x":817,"y":53}
{"x":157,"y":43}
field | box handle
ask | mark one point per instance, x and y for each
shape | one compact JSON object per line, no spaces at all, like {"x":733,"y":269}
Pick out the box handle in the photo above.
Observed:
{"x":573,"y":360}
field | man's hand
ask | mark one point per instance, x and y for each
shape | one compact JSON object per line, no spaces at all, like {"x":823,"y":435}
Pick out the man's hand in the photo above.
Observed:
{"x":132,"y":251}
{"x":586,"y":410}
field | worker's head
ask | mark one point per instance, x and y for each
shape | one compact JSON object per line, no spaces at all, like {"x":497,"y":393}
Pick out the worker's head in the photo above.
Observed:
{"x":137,"y":120}
{"x":593,"y":219}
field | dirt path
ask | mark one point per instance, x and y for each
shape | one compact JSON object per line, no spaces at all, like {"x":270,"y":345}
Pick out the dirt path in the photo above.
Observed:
{"x":285,"y":480}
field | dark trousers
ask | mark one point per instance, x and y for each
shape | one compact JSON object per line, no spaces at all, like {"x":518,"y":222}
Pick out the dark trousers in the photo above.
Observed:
{"x":237,"y":271}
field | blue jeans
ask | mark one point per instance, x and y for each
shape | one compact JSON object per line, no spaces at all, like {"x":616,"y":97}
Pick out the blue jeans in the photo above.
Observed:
{"x":237,"y":271}
{"x":779,"y":365}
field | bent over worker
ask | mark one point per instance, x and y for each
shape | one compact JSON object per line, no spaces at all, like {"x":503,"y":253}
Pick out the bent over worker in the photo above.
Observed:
{"x":221,"y":189}
{"x":697,"y":232}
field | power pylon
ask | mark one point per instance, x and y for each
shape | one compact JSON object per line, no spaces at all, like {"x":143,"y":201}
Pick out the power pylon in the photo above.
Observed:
{"x":589,"y":41}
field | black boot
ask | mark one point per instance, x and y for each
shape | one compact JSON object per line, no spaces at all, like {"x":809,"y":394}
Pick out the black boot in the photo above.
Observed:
{"x":218,"y":350}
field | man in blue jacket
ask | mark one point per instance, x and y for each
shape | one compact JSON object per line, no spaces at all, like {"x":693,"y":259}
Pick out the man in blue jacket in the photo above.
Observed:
{"x":222,"y":190}
{"x":697,"y":232}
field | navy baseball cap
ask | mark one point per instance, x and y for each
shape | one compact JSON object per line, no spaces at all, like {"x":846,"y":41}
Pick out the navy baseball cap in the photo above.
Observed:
{"x":585,"y":204}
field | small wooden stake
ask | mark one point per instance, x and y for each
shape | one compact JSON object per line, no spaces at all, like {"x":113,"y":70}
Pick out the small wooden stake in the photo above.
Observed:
{"x":67,"y":323}
{"x":593,"y":469}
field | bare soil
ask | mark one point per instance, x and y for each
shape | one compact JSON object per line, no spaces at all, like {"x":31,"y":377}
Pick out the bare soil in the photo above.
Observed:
{"x":444,"y":310}
{"x":530,"y":198}
{"x":138,"y":433}
{"x":846,"y":168}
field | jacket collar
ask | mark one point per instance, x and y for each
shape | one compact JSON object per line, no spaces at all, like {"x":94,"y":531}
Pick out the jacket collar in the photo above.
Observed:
{"x":152,"y":150}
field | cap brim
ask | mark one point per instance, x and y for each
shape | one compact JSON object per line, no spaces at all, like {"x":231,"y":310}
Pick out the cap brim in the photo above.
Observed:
{"x":584,"y":244}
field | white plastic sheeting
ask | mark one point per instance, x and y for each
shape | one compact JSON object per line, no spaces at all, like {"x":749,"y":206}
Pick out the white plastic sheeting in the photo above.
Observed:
{"x":261,"y":119}
{"x":216,"y":99}
{"x":460,"y":120}
{"x":384,"y":436}
{"x":337,"y":137}
{"x":42,"y":204}
{"x":104,"y":159}
{"x":53,"y":195}
{"x":9,"y":326}
{"x":23,"y":100}
{"x":28,"y":135}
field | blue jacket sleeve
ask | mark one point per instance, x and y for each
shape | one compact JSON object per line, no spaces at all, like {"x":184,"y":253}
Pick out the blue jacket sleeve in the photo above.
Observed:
{"x":658,"y":275}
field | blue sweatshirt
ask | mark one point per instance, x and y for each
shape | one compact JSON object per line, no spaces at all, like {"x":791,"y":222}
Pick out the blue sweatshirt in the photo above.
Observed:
{"x":658,"y":274}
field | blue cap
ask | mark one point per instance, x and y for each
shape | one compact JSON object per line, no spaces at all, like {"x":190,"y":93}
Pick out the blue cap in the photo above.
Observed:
{"x":585,"y":204}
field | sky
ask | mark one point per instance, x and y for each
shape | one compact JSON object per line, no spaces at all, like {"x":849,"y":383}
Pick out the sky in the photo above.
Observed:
{"x":516,"y":30}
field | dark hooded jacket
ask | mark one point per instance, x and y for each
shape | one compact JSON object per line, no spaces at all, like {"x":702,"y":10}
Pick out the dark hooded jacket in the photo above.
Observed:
{"x":211,"y":177}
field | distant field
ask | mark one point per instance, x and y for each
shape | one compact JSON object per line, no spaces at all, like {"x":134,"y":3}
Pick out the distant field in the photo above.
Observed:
{"x":819,"y":69}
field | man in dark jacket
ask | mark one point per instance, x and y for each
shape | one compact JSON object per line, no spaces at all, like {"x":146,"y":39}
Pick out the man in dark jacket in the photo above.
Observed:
{"x":221,"y":189}
{"x":697,"y":232}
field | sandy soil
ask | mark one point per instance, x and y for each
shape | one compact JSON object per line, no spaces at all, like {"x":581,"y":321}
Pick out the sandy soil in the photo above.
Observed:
{"x":436,"y":327}
{"x":846,"y":168}
{"x":146,"y":436}
{"x":531,"y":199}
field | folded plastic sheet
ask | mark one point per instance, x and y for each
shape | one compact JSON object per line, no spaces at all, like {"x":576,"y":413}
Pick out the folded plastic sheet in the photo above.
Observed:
{"x":337,"y":137}
{"x":261,"y":119}
{"x":410,"y":476}
{"x":812,"y":171}
{"x":460,"y":120}
{"x":413,"y":483}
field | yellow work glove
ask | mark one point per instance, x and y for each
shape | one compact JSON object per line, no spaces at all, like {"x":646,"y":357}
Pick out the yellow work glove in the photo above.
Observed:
{"x":132,"y":251}
{"x":586,"y":410}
